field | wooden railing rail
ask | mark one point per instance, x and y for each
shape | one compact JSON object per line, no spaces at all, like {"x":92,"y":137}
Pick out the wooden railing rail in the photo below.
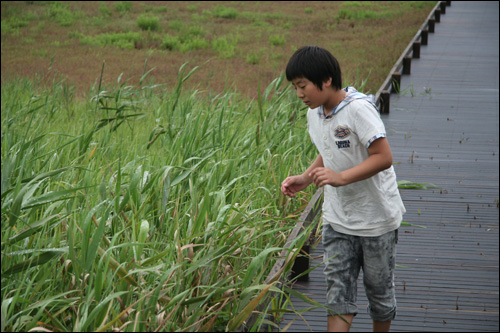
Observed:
{"x":312,"y":209}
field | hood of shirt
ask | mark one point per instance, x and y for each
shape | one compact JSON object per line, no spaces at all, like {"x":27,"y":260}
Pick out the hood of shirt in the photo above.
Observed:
{"x":352,"y":95}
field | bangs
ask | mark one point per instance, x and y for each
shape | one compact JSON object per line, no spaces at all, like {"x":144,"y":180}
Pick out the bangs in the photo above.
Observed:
{"x":315,"y":64}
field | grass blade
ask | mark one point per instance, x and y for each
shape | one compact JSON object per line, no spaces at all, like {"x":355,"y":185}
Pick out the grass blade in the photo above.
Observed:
{"x":257,"y":263}
{"x":41,"y":259}
{"x":247,"y":311}
{"x":96,"y":240}
{"x":35,"y":227}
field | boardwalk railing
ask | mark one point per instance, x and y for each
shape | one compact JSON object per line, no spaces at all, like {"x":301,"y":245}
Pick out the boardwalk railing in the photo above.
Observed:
{"x":393,"y":81}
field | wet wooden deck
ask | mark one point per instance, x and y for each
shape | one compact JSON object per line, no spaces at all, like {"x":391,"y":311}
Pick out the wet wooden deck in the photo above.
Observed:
{"x":443,"y":129}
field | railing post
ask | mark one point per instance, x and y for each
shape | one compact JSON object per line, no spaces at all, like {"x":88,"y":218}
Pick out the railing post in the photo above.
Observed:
{"x":416,"y":49}
{"x":385,"y":98}
{"x":431,"y":24}
{"x":442,"y":5}
{"x":424,"y":37}
{"x":301,"y":264}
{"x":437,"y":15}
{"x":407,"y":65}
{"x":396,"y":82}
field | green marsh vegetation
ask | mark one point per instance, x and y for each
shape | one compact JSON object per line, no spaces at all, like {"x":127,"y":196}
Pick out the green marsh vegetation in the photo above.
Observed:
{"x":144,"y":206}
{"x":143,"y":209}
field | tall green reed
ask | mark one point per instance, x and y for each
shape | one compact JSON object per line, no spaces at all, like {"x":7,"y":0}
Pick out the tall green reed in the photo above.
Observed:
{"x":79,"y":180}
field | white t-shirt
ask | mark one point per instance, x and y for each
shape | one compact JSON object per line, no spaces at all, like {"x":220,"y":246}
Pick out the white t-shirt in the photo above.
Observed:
{"x":370,"y":207}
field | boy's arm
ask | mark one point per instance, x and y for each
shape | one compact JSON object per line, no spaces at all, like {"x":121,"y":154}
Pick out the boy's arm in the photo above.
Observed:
{"x":318,"y":163}
{"x":380,"y":159}
{"x":294,"y":184}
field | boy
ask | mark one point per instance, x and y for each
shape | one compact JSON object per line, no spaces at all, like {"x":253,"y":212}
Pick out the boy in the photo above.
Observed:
{"x":362,"y":208}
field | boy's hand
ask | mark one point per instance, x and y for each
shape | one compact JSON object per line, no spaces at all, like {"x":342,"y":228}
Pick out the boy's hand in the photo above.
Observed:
{"x":294,"y":184}
{"x":325,"y":176}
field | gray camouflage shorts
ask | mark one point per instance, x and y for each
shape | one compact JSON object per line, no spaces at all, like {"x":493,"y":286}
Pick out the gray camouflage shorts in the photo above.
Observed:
{"x":344,"y":256}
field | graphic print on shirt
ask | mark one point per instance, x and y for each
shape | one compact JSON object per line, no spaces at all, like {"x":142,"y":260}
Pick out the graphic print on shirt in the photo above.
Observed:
{"x":343,"y":144}
{"x":342,"y":132}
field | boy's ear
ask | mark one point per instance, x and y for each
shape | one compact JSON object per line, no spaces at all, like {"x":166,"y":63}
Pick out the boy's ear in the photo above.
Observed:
{"x":327,"y":83}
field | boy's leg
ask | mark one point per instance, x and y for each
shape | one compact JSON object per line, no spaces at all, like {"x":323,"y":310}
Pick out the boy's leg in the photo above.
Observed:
{"x":338,"y":323}
{"x":378,"y":276}
{"x":381,"y":326}
{"x":342,"y":266}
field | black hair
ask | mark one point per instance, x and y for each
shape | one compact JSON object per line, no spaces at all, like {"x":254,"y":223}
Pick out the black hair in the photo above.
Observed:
{"x":315,"y":64}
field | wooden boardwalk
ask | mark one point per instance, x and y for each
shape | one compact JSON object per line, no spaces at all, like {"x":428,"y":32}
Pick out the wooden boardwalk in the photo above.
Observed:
{"x":443,"y":129}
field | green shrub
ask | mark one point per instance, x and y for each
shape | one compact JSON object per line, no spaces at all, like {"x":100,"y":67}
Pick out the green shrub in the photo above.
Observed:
{"x":124,"y":40}
{"x":355,"y":10}
{"x":75,"y":34}
{"x":170,"y":43}
{"x":252,"y":58}
{"x":148,"y":23}
{"x":175,"y":43}
{"x":194,"y":31}
{"x":61,"y":14}
{"x":12,"y":25}
{"x":225,"y":12}
{"x":224,"y":47}
{"x":104,"y":10}
{"x":175,"y":25}
{"x":189,"y":40}
{"x":277,"y":40}
{"x":124,"y":6}
{"x":161,"y":9}
{"x":195,"y":43}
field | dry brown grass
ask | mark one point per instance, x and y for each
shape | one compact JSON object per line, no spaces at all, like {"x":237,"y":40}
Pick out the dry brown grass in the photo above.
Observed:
{"x":35,"y":44}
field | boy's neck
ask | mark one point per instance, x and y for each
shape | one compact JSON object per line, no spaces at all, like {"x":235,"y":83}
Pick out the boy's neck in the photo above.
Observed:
{"x":335,"y":99}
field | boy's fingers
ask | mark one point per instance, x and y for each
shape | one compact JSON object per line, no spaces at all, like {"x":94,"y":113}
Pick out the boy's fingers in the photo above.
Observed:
{"x":288,"y":193}
{"x":314,"y":172}
{"x":318,"y":179}
{"x":286,"y":181}
{"x":285,"y":189}
{"x":316,"y":175}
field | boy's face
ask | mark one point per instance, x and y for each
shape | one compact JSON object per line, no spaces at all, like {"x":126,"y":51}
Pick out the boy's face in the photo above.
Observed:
{"x":310,"y":94}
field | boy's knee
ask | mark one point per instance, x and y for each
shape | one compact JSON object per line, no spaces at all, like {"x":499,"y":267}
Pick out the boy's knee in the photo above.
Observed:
{"x":382,"y":313}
